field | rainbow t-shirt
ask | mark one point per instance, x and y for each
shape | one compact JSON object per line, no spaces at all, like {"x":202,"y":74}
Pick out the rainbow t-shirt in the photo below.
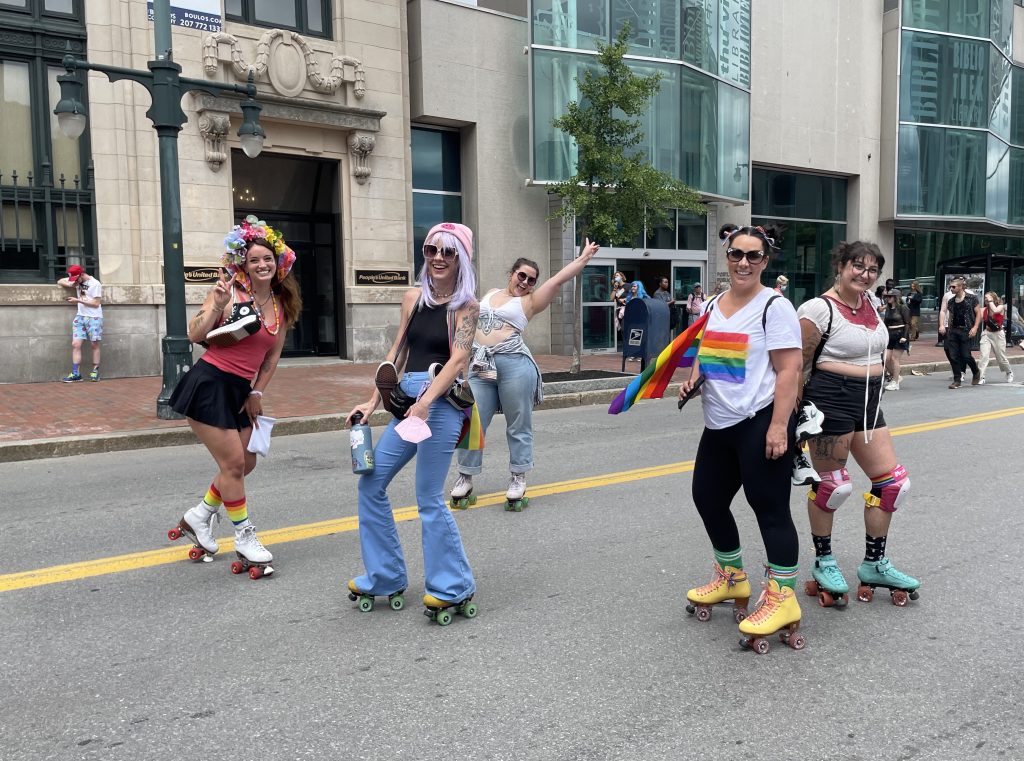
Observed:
{"x":723,"y":356}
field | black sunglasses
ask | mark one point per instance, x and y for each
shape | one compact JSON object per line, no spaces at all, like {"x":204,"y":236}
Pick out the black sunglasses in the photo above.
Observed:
{"x":524,"y":278}
{"x":737,"y":254}
{"x":430,"y":251}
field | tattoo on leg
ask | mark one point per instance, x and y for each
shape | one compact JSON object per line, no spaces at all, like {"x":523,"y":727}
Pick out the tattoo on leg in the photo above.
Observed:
{"x":825,"y":449}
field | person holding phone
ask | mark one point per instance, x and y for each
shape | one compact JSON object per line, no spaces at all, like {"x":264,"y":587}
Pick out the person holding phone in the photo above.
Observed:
{"x":749,"y":360}
{"x":222,"y":395}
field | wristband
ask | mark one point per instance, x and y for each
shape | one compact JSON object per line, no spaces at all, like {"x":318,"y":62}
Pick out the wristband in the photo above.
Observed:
{"x":254,"y":392}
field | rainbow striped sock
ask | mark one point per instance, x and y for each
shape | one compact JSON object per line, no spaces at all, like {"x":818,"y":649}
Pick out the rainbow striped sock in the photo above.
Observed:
{"x":213,"y":500}
{"x":734,"y":558}
{"x":785,"y":575}
{"x":237,"y":511}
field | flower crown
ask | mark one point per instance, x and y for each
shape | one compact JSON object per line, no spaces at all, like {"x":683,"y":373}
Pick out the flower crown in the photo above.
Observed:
{"x":237,"y":242}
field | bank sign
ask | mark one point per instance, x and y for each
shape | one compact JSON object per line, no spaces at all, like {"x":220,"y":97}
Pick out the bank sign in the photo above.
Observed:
{"x":203,"y":15}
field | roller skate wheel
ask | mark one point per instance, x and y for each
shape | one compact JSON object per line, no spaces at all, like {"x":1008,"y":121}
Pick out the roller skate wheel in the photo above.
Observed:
{"x":365,"y":604}
{"x":237,"y":567}
{"x":760,"y":646}
{"x":796,"y":641}
{"x":196,"y":553}
{"x":443,"y":617}
{"x":865,"y":593}
{"x":900,"y":598}
{"x":174,"y":533}
{"x":255,"y":572}
{"x":469,"y":610}
{"x":739,"y":614}
{"x":811,"y":588}
{"x":703,"y":613}
{"x":397,"y":602}
{"x":825,"y":599}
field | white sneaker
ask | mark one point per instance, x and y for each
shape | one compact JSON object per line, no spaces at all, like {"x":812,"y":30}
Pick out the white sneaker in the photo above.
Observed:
{"x":804,"y":473}
{"x":1009,"y":377}
{"x":892,"y":386}
{"x":463,"y":486}
{"x":981,"y":382}
{"x":248,"y":545}
{"x":808,"y":421}
{"x":200,"y":518}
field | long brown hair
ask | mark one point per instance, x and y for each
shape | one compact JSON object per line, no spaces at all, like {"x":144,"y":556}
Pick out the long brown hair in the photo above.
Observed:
{"x":286,"y":290}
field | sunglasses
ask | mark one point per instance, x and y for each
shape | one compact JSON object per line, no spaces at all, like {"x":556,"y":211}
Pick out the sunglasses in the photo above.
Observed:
{"x":737,"y":254}
{"x":524,"y":278}
{"x":431,"y":251}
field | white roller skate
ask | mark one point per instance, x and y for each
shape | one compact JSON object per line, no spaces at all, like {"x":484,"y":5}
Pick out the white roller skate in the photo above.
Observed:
{"x":462,"y":493}
{"x":804,"y":473}
{"x":808,"y":421}
{"x":252,"y":555}
{"x":197,"y":525}
{"x":515,"y":496}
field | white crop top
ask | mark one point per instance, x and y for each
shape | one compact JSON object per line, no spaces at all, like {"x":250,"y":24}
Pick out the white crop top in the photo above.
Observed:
{"x":848,"y":342}
{"x":510,"y":312}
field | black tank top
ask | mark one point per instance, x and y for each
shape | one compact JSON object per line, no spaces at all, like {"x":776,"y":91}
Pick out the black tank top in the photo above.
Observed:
{"x":427,"y":338}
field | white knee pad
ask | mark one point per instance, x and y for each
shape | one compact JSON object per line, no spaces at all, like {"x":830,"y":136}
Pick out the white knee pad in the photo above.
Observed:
{"x":835,"y":488}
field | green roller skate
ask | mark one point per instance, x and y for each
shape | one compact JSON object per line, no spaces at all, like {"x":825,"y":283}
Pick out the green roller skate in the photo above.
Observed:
{"x":881,"y":573}
{"x":828,"y":584}
{"x":396,"y":599}
{"x":441,"y":610}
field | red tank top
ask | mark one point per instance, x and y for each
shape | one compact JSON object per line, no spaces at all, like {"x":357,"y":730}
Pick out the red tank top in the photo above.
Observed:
{"x":245,"y":357}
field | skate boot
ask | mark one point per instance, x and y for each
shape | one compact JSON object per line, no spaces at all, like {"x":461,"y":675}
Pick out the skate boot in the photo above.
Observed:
{"x":828,"y":584}
{"x":197,"y":525}
{"x":462,"y":493}
{"x":881,"y":573}
{"x":396,"y":599}
{"x":804,"y":473}
{"x":808,"y":422}
{"x":515,"y":496}
{"x":728,"y":584}
{"x":777,"y":610}
{"x":441,"y":610}
{"x":252,"y":555}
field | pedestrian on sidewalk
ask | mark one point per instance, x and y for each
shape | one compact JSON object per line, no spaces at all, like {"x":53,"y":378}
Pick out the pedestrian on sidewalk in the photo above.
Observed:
{"x":843,"y":345}
{"x":222,"y":395}
{"x":964,"y":323}
{"x":896,"y":317}
{"x":993,"y":336}
{"x":88,"y":321}
{"x":503,"y":374}
{"x":436,"y":328}
{"x":914,"y":299}
{"x":664,"y":293}
{"x":749,"y":358}
{"x":694,"y":304}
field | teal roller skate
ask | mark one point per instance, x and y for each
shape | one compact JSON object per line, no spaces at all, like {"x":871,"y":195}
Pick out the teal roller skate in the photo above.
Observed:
{"x":396,"y":600}
{"x":880,"y":573}
{"x":828,"y":584}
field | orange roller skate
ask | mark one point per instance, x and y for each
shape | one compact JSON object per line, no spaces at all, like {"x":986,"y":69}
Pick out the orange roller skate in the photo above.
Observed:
{"x":728,"y":584}
{"x":777,"y":610}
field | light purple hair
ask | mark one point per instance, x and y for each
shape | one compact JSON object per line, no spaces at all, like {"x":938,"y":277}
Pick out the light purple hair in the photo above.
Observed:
{"x":465,"y":283}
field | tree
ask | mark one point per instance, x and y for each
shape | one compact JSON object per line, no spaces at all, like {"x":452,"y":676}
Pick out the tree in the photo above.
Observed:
{"x":615,"y":192}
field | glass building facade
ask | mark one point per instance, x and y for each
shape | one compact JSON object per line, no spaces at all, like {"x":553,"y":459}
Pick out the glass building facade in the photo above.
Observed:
{"x":698,"y":126}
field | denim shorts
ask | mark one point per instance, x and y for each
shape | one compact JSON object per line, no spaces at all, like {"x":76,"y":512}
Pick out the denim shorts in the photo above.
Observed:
{"x":841,"y":399}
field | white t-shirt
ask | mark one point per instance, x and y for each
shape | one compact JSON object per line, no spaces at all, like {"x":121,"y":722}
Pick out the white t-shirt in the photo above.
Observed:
{"x":733,"y":354}
{"x":91,"y":290}
{"x":847,"y":342}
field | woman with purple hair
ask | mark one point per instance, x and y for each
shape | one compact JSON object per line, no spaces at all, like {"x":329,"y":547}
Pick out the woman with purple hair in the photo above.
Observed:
{"x":436,"y":328}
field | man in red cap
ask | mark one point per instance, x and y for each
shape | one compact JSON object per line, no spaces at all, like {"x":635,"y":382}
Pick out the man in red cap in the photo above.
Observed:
{"x":88,"y":322}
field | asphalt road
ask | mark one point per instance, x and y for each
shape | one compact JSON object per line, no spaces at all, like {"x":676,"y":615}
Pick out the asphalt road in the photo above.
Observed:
{"x":582,"y":649}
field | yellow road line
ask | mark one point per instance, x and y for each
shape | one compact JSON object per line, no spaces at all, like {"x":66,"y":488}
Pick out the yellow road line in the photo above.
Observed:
{"x":149,"y":558}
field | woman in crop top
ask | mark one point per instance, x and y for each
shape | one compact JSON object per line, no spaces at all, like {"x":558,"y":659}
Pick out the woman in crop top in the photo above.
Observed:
{"x":844,"y":340}
{"x":436,"y":326}
{"x":222,"y":395}
{"x":749,"y":358}
{"x":503,"y":374}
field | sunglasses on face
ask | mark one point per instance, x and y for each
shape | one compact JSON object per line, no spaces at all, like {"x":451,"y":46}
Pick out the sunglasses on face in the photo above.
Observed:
{"x":737,"y":254}
{"x":430,"y":251}
{"x":524,"y":278}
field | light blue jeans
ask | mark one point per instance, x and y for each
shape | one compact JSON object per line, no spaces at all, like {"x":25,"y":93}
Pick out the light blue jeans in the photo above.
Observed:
{"x":514,"y":388}
{"x":446,"y":568}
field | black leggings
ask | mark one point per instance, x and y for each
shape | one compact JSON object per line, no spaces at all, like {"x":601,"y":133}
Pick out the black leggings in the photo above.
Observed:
{"x":733,"y":457}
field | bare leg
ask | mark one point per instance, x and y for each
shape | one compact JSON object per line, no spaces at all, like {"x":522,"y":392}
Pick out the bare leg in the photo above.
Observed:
{"x":76,"y":351}
{"x":95,"y":353}
{"x":229,"y":453}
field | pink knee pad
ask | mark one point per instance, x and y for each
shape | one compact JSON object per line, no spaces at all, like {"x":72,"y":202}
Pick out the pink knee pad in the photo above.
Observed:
{"x":835,"y":488}
{"x":889,"y":490}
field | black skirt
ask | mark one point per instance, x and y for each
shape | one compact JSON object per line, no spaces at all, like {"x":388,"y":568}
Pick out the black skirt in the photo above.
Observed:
{"x":212,"y":396}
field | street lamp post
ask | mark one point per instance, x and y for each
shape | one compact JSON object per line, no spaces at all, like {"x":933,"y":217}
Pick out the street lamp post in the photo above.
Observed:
{"x":165,"y":84}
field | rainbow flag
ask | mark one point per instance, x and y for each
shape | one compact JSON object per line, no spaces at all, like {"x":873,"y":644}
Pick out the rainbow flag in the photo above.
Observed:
{"x":472,"y":434}
{"x":653,"y":381}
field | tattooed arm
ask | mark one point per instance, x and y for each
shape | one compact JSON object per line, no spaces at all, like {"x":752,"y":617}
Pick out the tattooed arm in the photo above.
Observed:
{"x":462,"y":348}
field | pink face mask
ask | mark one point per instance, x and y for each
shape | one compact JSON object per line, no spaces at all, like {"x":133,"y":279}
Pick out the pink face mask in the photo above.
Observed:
{"x":413,"y":429}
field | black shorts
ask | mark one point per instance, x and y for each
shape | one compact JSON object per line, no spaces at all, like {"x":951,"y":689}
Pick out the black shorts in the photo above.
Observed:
{"x":212,"y":396}
{"x":841,"y":399}
{"x":894,"y":339}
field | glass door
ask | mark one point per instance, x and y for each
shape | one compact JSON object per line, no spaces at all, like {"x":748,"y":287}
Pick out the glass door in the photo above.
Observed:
{"x":684,"y":278}
{"x":598,"y":309}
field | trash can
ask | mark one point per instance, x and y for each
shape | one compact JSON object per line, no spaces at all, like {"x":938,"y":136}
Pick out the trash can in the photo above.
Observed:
{"x":645,"y":330}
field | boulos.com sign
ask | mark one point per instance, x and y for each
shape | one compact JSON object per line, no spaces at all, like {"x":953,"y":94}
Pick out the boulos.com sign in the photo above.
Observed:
{"x":382,"y":277}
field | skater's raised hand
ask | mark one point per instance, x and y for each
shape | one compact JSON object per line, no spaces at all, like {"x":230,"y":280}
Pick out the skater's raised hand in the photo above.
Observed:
{"x":222,"y":290}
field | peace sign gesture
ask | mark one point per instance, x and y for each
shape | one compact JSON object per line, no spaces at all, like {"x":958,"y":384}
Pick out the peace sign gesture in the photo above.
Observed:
{"x":222,"y":290}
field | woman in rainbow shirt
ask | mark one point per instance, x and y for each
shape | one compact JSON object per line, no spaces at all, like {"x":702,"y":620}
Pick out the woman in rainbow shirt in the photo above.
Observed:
{"x":750,"y":361}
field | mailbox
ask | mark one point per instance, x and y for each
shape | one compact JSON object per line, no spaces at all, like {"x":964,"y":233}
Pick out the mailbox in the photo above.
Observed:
{"x":645,"y":330}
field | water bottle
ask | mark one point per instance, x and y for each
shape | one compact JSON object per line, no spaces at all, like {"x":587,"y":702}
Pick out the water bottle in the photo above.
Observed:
{"x":360,"y":439}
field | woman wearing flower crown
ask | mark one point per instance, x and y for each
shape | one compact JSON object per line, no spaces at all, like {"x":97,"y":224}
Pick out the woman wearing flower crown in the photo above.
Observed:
{"x":222,"y":395}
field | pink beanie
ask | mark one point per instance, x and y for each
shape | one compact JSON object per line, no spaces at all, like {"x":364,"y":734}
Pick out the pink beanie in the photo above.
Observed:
{"x":463,"y":233}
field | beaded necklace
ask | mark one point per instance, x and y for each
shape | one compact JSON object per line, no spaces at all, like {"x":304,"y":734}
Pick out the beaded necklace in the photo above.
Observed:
{"x":259,"y":312}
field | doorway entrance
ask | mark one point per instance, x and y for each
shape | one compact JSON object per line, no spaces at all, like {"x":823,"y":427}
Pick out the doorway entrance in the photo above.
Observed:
{"x":298,"y":196}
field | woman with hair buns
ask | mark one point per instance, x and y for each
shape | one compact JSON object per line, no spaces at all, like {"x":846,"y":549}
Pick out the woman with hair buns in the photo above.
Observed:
{"x":222,"y":395}
{"x":844,"y":342}
{"x":435,"y":337}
